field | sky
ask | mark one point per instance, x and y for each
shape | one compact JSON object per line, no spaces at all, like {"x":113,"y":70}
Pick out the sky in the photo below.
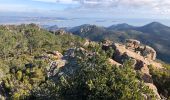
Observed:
{"x":90,"y":11}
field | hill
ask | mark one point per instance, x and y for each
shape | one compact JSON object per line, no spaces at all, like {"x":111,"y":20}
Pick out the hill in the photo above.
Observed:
{"x":119,"y":27}
{"x":154,"y":34}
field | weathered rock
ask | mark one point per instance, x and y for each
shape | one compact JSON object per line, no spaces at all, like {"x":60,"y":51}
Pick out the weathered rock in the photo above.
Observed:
{"x":132,"y":44}
{"x":146,"y":51}
{"x":55,"y":54}
{"x":143,"y":57}
{"x":87,"y":42}
{"x":107,"y":42}
{"x":120,"y":51}
{"x":154,"y":89}
{"x":113,"y":62}
{"x":60,"y":32}
{"x":56,"y":61}
{"x":149,"y":53}
{"x":55,"y":66}
{"x":106,"y":45}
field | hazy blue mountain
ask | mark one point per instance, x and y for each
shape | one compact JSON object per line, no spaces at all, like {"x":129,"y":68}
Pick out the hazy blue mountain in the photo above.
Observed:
{"x":123,"y":26}
{"x":92,"y":32}
{"x":155,"y":28}
{"x":52,"y":28}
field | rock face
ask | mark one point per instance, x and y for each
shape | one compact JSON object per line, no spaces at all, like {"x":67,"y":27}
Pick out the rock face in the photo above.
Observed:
{"x":145,"y":51}
{"x":132,"y":44}
{"x":56,"y":63}
{"x":122,"y":52}
{"x":141,"y":55}
{"x":55,"y":60}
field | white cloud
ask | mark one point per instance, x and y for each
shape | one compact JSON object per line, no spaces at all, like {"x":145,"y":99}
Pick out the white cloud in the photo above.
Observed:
{"x":12,"y":7}
{"x":51,"y":1}
{"x":149,"y":4}
{"x":59,"y":1}
{"x":92,"y":8}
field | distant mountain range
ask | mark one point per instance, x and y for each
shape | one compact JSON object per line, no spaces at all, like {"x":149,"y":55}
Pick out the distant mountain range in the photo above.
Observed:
{"x":154,"y":34}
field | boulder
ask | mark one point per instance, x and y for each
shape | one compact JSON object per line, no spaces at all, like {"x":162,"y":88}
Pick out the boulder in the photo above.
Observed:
{"x":54,"y":54}
{"x":57,"y":54}
{"x":60,"y":32}
{"x":149,"y":53}
{"x":132,"y":44}
{"x":106,"y":44}
{"x":113,"y":62}
{"x":55,"y":66}
{"x":87,"y":42}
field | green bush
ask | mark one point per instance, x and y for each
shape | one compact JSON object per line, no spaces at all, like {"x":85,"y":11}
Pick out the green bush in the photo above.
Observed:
{"x":161,"y":79}
{"x":95,"y":79}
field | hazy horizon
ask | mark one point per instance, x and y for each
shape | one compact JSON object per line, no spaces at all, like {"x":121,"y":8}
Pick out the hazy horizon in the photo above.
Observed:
{"x":71,"y":22}
{"x":68,"y":13}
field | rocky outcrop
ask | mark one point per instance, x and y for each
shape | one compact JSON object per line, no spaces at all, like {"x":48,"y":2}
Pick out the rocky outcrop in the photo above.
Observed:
{"x":122,"y":52}
{"x":56,"y":63}
{"x":132,"y":44}
{"x":55,"y":60}
{"x":106,"y":44}
{"x":141,"y":55}
{"x":145,"y":51}
{"x":55,"y":66}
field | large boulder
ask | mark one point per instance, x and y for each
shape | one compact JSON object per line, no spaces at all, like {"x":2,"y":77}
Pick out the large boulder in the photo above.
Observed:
{"x":132,"y":44}
{"x":56,"y":61}
{"x":149,"y":53}
{"x":146,"y":51}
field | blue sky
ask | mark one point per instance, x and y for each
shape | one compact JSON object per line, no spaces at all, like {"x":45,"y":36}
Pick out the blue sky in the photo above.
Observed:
{"x":96,"y":9}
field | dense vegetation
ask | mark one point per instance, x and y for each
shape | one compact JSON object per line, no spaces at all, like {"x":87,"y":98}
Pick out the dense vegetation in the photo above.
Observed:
{"x":161,"y":79}
{"x":95,"y":79}
{"x":19,"y":45}
{"x":22,"y":76}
